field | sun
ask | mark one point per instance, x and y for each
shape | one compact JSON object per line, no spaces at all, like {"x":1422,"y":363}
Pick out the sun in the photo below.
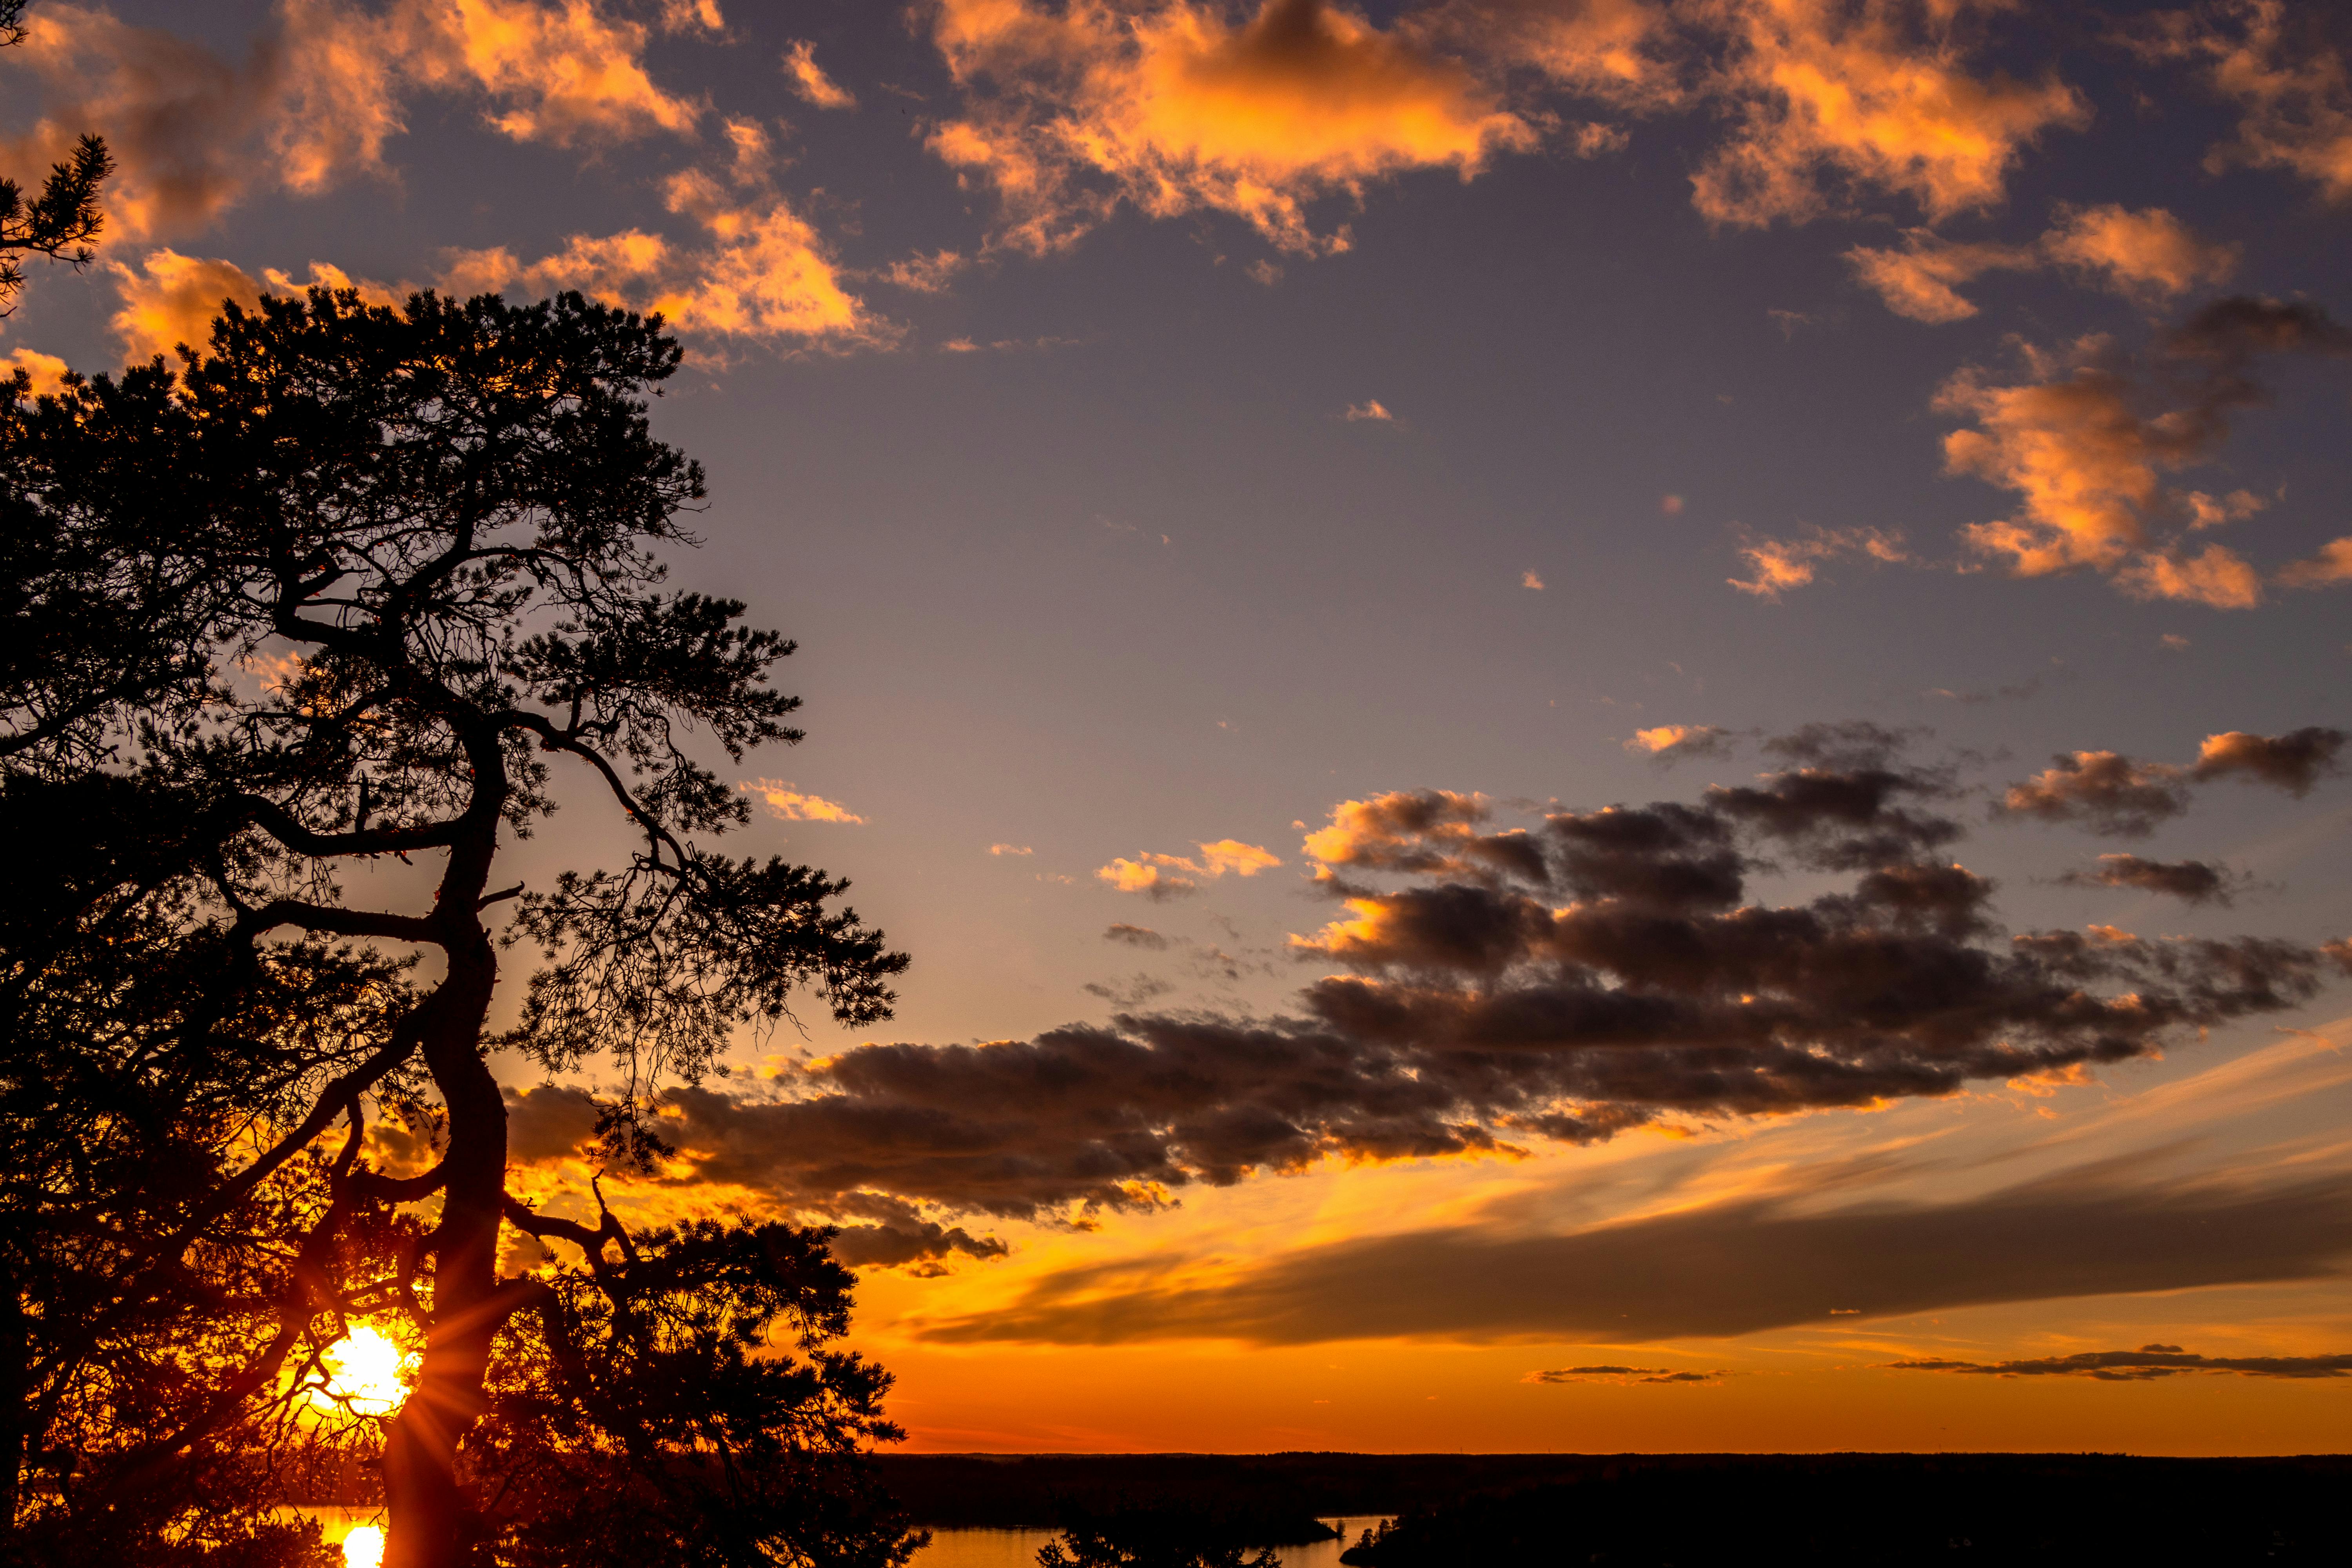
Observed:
{"x":363,"y":1547}
{"x":366,"y":1374}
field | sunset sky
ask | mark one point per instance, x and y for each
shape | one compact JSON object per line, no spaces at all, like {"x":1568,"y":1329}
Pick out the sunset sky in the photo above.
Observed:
{"x":1253,"y":485}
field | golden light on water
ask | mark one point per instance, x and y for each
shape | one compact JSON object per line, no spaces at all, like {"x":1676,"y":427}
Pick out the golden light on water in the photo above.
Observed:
{"x":363,"y":1547}
{"x":366,"y":1374}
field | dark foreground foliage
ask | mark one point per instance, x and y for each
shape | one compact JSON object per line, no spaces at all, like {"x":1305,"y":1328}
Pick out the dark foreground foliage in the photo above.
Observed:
{"x":1888,"y":1510}
{"x":299,"y":637}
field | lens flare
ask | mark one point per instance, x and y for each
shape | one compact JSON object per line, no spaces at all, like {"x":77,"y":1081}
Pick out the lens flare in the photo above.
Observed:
{"x":366,"y":1374}
{"x":363,"y":1547}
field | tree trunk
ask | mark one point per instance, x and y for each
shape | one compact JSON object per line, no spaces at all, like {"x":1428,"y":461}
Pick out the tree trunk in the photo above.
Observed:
{"x":432,"y":1522}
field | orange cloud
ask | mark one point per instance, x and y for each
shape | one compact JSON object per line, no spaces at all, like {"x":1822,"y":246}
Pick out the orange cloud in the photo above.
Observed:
{"x":1920,"y":281}
{"x":1776,"y":566}
{"x":809,"y":80}
{"x":923,"y":274}
{"x":1371,"y":408}
{"x":176,"y":116}
{"x":1865,"y":93}
{"x":2149,"y":256}
{"x":1669,"y":742}
{"x":2071,"y":439}
{"x":1614,"y":51}
{"x":562,"y":73}
{"x":172,"y":299}
{"x":42,"y":373}
{"x":2289,"y":79}
{"x":2146,"y":254}
{"x":765,"y":275}
{"x":1174,"y":109}
{"x":783,"y":801}
{"x":2332,"y":565}
{"x":1158,"y":876}
{"x":322,"y":94}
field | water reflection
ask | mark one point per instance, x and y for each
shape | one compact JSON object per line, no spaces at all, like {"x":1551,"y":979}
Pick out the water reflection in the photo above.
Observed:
{"x":1018,"y":1547}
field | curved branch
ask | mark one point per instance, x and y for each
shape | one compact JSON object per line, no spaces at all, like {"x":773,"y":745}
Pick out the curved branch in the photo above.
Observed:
{"x":280,"y":824}
{"x":400,"y":1189}
{"x":339,"y":922}
{"x":591,"y":1242}
{"x":554,"y":740}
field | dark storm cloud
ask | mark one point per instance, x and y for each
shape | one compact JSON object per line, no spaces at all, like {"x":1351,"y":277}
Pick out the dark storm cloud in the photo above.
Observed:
{"x":2112,"y":794}
{"x":2194,"y":881}
{"x":896,"y":1236}
{"x":1734,"y":1268}
{"x":2105,"y":791}
{"x":2293,"y":762}
{"x":2230,"y":331}
{"x":2143,"y":1365}
{"x":1593,"y":973}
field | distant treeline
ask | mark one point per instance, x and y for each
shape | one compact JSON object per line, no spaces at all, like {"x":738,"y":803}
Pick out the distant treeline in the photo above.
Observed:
{"x":1457,"y":1511}
{"x":1889,"y":1510}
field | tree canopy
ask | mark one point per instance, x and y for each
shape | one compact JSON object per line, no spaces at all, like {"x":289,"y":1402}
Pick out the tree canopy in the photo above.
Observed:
{"x":60,"y":222}
{"x":346,"y":592}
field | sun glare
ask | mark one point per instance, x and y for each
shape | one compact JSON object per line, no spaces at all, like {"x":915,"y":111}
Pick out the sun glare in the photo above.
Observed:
{"x":366,"y":1374}
{"x":363,"y":1547}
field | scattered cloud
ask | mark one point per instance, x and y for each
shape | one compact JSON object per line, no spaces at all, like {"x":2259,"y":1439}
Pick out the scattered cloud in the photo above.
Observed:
{"x":1371,"y":408}
{"x":1921,"y":280}
{"x":1486,"y":985}
{"x":785,"y":801}
{"x":2149,"y":256}
{"x":1673,"y":743}
{"x":2192,"y":881}
{"x":1136,"y":936}
{"x":1875,"y":96}
{"x":2143,"y":1365}
{"x":2173,"y":642}
{"x":2086,"y":439}
{"x":765,"y":274}
{"x":1134,"y":993}
{"x":2112,"y":794}
{"x":2331,"y":566}
{"x":567,"y":74}
{"x":2017,"y":692}
{"x":1529,"y":580}
{"x":2293,"y":762}
{"x":2105,"y":791}
{"x":2285,"y":68}
{"x":42,"y":373}
{"x":1776,"y":566}
{"x":809,"y":81}
{"x":1161,"y":877}
{"x":1173,"y":107}
{"x":923,"y":274}
{"x":180,"y":120}
{"x":171,"y":300}
{"x":1671,"y":506}
{"x":1009,"y":849}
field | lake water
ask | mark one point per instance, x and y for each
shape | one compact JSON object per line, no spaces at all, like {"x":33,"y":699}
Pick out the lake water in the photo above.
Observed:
{"x":948,"y":1547}
{"x":1018,"y":1547}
